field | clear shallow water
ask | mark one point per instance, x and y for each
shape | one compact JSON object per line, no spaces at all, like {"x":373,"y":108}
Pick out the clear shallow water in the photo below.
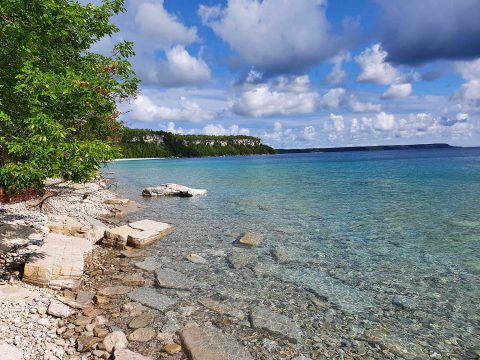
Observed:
{"x":377,"y":224}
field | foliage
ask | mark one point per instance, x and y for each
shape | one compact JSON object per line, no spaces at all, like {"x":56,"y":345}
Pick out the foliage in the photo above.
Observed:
{"x":58,"y":100}
{"x":138,"y":143}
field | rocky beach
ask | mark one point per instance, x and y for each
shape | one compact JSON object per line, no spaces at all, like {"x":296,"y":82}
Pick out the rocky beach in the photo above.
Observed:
{"x":140,"y":293}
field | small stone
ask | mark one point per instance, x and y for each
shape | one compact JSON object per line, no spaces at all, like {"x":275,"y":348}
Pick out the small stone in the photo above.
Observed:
{"x":86,"y":343}
{"x":44,"y":322}
{"x":134,"y":280}
{"x":82,"y":320}
{"x":125,"y":354}
{"x":404,"y":302}
{"x":116,"y":339}
{"x":196,"y":259}
{"x":240,"y":260}
{"x":172,"y":348}
{"x":100,"y":332}
{"x":98,"y":353}
{"x":142,"y":335}
{"x":249,"y":240}
{"x":140,"y":321}
{"x":101,"y":300}
{"x":84,"y":297}
{"x":59,"y":309}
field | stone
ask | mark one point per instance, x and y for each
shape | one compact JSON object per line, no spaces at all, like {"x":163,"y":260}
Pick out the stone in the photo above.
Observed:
{"x":10,"y":352}
{"x":140,"y":321}
{"x":142,"y":334}
{"x":221,"y":308}
{"x":249,"y":240}
{"x":276,"y":324}
{"x":58,"y":309}
{"x":101,"y":300}
{"x":125,"y":354}
{"x":136,"y":234}
{"x":115,"y":340}
{"x":196,"y":259}
{"x":172,"y":348}
{"x":171,"y":189}
{"x":240,"y":260}
{"x":149,"y":264}
{"x":404,"y":302}
{"x":280,"y":254}
{"x":202,"y":343}
{"x":171,"y":279}
{"x":114,"y":290}
{"x":61,"y":257}
{"x":100,"y":331}
{"x":152,"y":298}
{"x":15,"y":293}
{"x":84,"y":297}
{"x":116,"y":201}
{"x":134,"y":280}
{"x":86,"y":343}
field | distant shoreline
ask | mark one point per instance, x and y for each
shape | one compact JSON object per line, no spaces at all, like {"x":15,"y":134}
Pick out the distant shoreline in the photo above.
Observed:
{"x":368,"y":148}
{"x":128,"y":159}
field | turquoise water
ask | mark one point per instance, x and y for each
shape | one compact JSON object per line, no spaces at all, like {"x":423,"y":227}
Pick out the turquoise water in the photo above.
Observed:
{"x":378,"y":224}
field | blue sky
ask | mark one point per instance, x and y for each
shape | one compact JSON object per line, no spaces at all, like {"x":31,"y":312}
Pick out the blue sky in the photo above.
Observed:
{"x":305,"y":73}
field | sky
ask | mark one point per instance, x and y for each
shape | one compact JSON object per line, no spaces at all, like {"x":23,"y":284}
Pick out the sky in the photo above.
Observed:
{"x":306,"y":73}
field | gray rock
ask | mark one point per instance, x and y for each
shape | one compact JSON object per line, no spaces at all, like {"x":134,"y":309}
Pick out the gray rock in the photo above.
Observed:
{"x":142,"y":335}
{"x":116,"y":340}
{"x":58,"y":309}
{"x":84,"y":297}
{"x":171,"y":279}
{"x":170,"y":189}
{"x":240,"y":260}
{"x":149,"y":264}
{"x":125,"y":354}
{"x":152,"y":298}
{"x":196,"y":259}
{"x":404,"y":302}
{"x":276,"y":324}
{"x":140,"y":321}
{"x":211,"y":344}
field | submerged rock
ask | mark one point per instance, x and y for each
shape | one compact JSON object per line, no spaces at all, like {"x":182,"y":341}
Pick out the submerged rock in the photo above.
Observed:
{"x":276,"y":324}
{"x":173,"y":190}
{"x":141,"y":321}
{"x":249,"y":239}
{"x":404,"y":302}
{"x":152,"y":298}
{"x":171,"y":279}
{"x":196,"y":259}
{"x":142,"y":335}
{"x":210,"y":344}
{"x":240,"y":260}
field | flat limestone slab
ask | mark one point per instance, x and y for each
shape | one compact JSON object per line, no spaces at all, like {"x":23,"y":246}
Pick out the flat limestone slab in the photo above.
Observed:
{"x":171,"y":279}
{"x":210,"y":344}
{"x":170,"y":189}
{"x":61,"y":257}
{"x":15,"y":293}
{"x":152,"y":298}
{"x":276,"y":324}
{"x":137,"y":234}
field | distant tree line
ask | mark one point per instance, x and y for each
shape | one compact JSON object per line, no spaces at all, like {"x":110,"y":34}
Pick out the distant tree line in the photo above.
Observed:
{"x":139,"y":143}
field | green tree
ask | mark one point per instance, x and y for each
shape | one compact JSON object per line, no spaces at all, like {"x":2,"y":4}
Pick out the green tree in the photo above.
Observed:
{"x":58,"y":100}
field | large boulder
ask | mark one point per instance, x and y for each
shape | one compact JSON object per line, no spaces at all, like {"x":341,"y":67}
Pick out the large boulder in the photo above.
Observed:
{"x":136,"y":234}
{"x":61,"y":257}
{"x":172,"y":190}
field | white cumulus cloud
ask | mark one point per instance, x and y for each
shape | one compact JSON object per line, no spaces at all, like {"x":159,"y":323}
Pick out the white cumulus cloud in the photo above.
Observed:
{"x":338,"y":75}
{"x":179,"y":69}
{"x":286,"y":97}
{"x":333,"y":98}
{"x":374,"y":67}
{"x":274,"y":35}
{"x":145,"y":110}
{"x":396,"y":91}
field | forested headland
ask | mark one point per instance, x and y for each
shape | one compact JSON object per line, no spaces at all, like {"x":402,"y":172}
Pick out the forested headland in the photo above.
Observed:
{"x":142,"y":143}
